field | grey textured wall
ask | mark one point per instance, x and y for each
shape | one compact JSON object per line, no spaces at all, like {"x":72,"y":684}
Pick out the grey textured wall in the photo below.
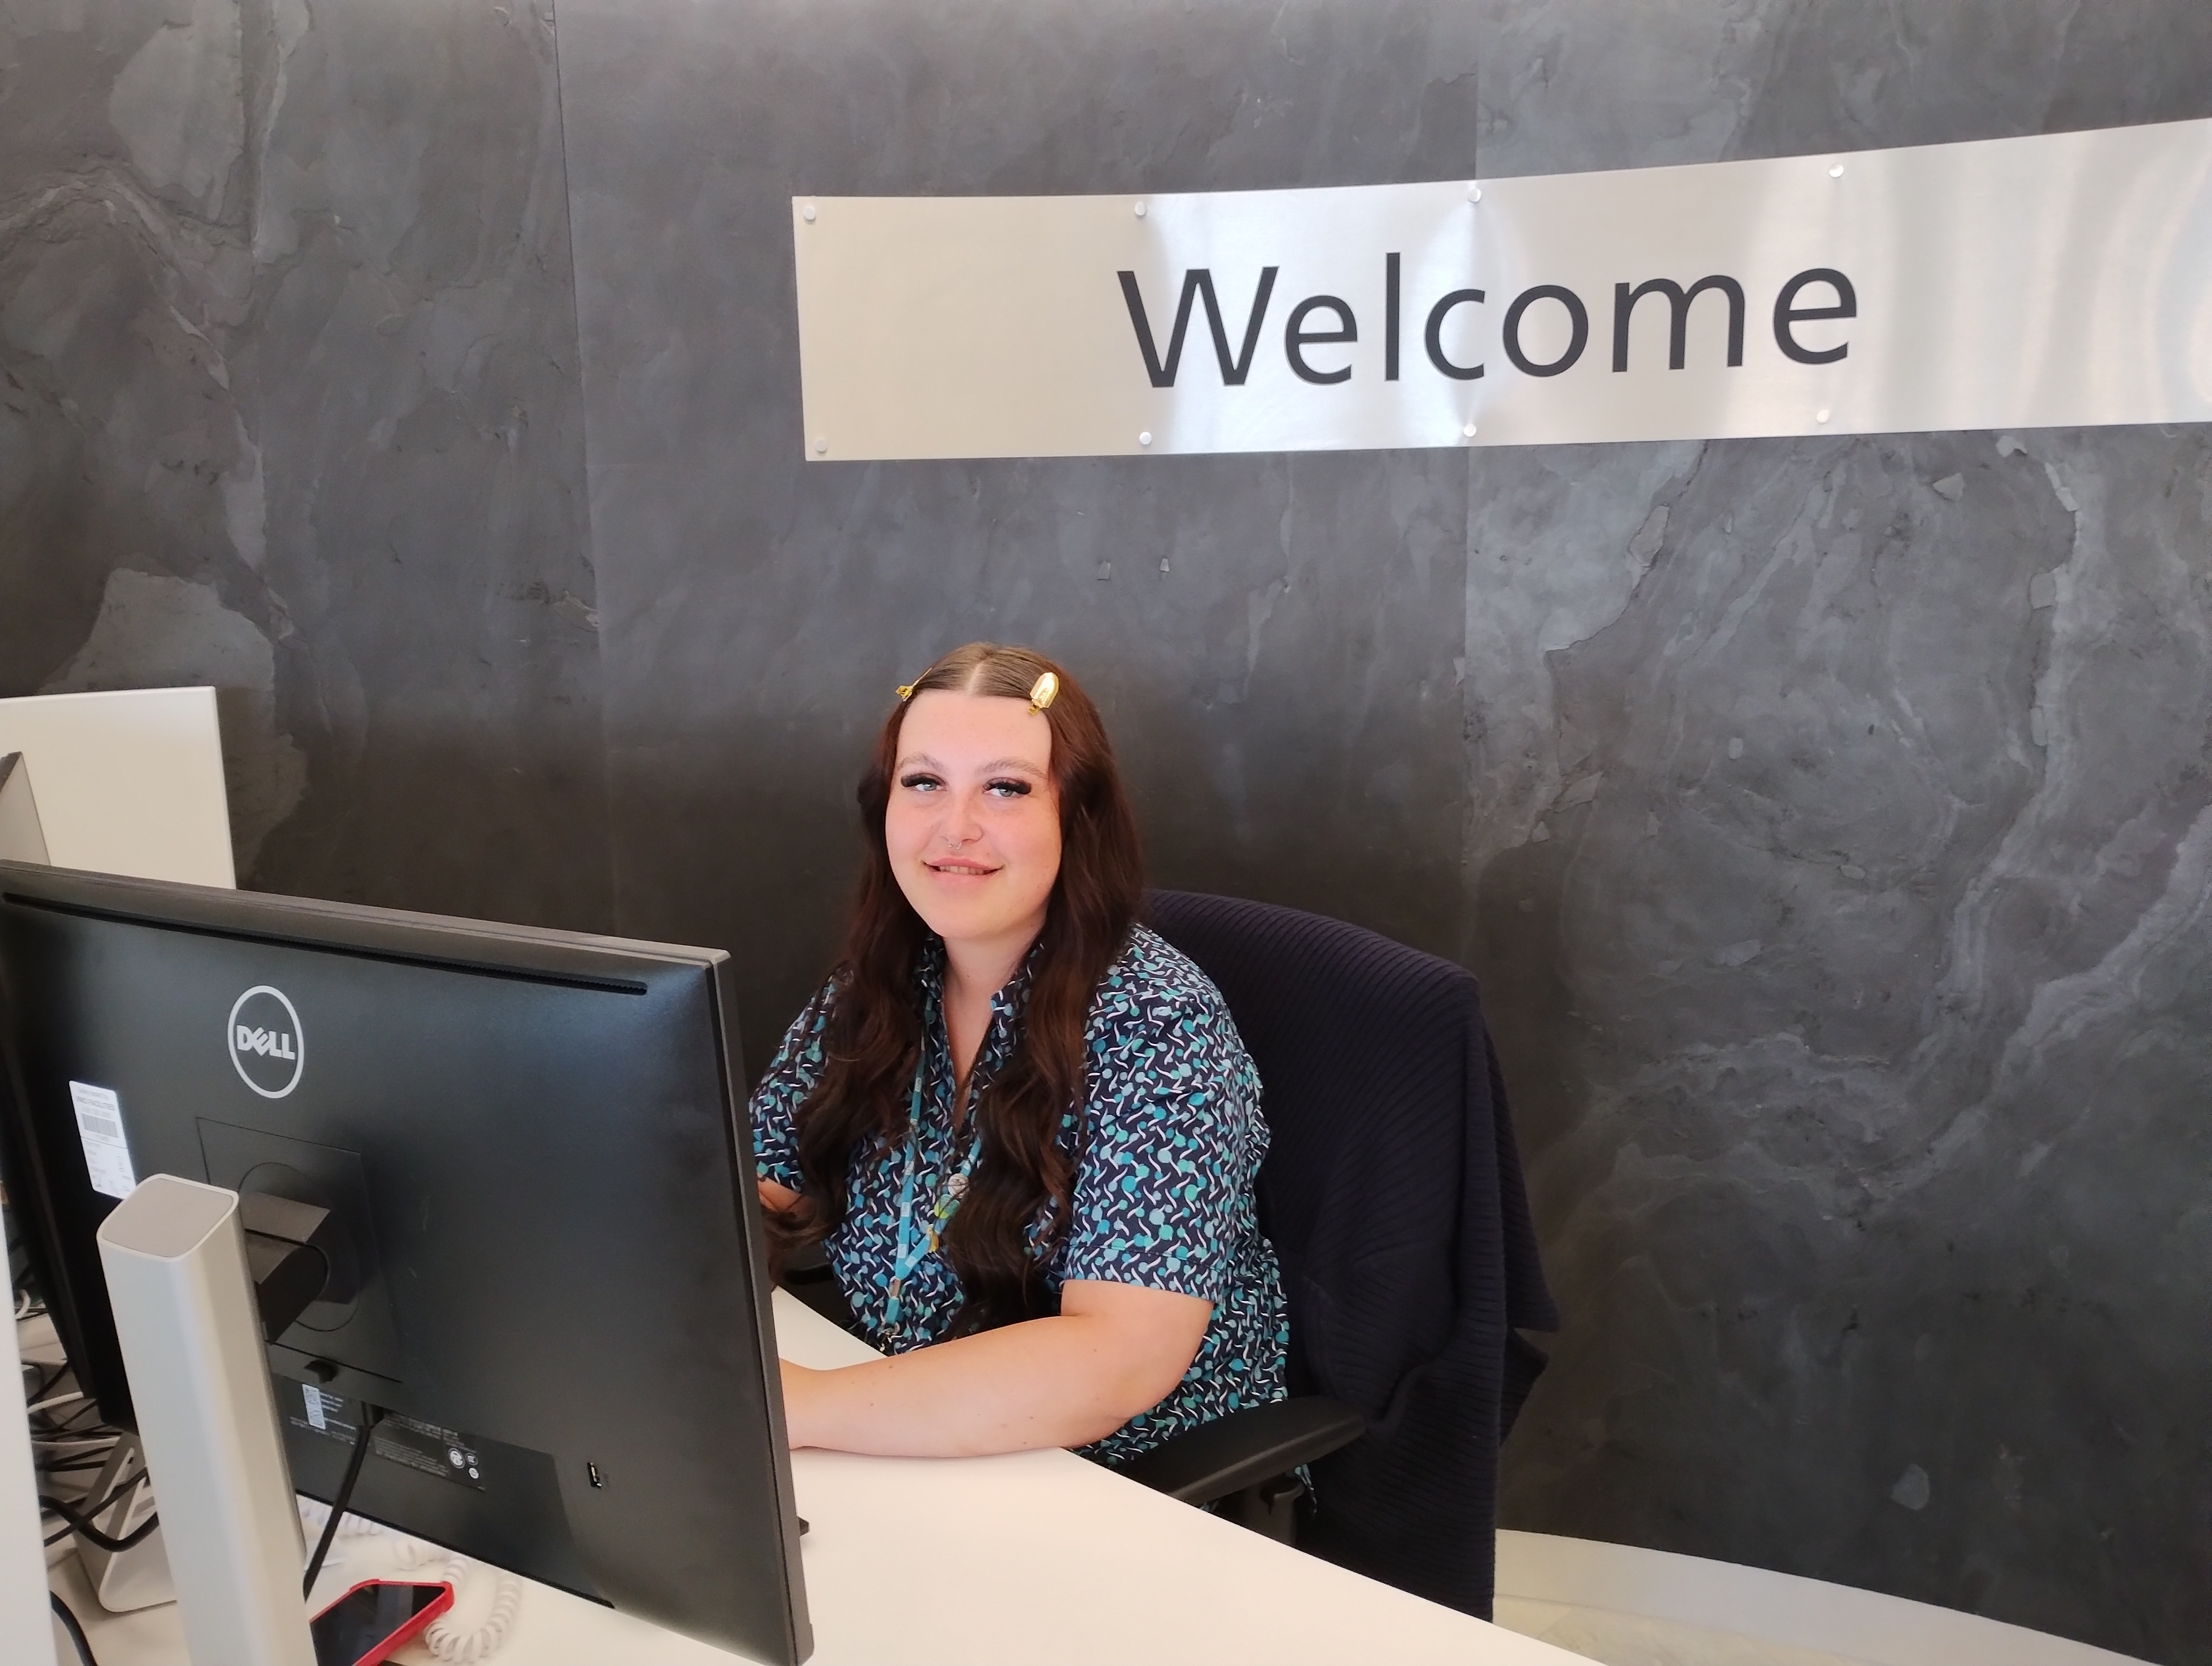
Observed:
{"x":289,"y":402}
{"x":1831,"y":821}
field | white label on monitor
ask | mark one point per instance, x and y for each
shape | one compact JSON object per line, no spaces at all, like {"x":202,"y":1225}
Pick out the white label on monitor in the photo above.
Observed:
{"x":100,"y":1126}
{"x":311,"y":1397}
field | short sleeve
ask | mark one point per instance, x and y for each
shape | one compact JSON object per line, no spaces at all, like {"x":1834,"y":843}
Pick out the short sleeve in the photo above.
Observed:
{"x":791,"y":1076}
{"x":1173,"y":1141}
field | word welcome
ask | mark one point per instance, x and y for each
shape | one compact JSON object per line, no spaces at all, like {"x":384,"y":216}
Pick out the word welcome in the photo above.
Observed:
{"x":1791,"y":311}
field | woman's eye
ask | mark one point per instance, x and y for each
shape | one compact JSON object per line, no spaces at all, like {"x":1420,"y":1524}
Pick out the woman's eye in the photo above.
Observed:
{"x":1009,"y":789}
{"x":919,"y":783}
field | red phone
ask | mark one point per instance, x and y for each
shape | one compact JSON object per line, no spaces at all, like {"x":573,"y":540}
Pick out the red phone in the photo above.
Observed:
{"x":374,"y":1619}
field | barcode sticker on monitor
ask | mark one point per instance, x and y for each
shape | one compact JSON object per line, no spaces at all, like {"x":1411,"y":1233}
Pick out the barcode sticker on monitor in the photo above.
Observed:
{"x":100,"y":1126}
{"x":312,"y":1398}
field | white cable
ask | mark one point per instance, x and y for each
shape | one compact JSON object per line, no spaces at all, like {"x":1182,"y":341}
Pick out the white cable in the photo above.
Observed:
{"x":314,"y":1514}
{"x":445,"y":1641}
{"x":448,"y":1641}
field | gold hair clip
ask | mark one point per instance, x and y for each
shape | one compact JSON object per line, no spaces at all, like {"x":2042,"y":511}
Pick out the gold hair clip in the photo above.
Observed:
{"x":905,"y":692}
{"x":1043,"y":692}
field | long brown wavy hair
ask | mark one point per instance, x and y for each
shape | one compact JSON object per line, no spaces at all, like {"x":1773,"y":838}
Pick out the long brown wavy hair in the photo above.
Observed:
{"x":1024,"y":1178}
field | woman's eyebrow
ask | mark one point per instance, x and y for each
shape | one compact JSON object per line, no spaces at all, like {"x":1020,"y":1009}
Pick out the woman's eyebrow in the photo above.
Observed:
{"x":923,"y":761}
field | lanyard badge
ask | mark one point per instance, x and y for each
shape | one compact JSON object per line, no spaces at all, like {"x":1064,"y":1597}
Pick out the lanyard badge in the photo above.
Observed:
{"x":917,"y":1241}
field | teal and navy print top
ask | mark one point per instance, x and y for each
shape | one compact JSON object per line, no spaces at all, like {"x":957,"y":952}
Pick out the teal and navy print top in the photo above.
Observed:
{"x":1168,"y":1143}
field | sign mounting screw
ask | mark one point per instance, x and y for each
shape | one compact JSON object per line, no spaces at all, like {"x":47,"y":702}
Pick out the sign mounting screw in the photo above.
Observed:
{"x":1820,"y":416}
{"x":1468,"y":430}
{"x":1146,"y":438}
{"x":821,"y":445}
{"x":1836,"y":172}
{"x":1473,"y":193}
{"x":1140,"y":210}
{"x":807,"y":212}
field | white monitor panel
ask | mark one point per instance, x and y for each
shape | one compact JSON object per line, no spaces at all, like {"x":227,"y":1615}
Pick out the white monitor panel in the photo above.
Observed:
{"x":126,"y":782}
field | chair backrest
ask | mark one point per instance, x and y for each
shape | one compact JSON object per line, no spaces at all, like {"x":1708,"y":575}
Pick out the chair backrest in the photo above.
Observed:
{"x":1363,"y":1048}
{"x":1392,"y":1195}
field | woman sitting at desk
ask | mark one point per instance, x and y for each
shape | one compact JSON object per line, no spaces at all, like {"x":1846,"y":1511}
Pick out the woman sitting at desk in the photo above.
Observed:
{"x":1022,"y":1127}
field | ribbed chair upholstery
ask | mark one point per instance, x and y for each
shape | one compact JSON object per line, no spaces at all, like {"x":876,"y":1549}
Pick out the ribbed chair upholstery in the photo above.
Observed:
{"x":1393,"y":1195}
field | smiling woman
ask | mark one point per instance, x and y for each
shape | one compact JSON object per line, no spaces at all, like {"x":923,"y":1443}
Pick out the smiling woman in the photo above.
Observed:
{"x":1022,"y":1128}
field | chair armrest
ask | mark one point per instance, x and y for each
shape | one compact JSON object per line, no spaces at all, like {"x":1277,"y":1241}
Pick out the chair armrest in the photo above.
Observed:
{"x":1245,"y":1448}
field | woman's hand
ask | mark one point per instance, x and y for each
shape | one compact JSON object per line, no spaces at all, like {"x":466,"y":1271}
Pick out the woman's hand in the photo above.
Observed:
{"x":1113,"y":1351}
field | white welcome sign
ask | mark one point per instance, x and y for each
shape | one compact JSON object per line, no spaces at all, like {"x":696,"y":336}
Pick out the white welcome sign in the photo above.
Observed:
{"x":2054,"y":280}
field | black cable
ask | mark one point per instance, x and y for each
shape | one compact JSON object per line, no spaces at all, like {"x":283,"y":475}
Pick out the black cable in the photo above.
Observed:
{"x":370,"y":1417}
{"x":48,"y":1387}
{"x":72,"y":1443}
{"x":61,"y":1416}
{"x":65,"y":1532}
{"x":61,"y":1429}
{"x":95,"y":1511}
{"x":67,"y":1615}
{"x":128,"y":1484}
{"x":82,"y":1527}
{"x":78,"y":1401}
{"x":98,"y":1511}
{"x":66,"y":1466}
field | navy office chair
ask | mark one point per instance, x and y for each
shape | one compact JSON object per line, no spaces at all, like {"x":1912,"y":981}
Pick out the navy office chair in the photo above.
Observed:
{"x":1392,"y":1195}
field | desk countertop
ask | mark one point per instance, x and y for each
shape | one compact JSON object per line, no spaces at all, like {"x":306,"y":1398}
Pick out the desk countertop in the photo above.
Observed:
{"x":1033,"y":1558}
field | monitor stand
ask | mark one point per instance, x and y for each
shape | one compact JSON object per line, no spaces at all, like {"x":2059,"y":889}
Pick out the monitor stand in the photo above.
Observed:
{"x":137,"y":1578}
{"x":285,"y":1280}
{"x":175,"y":1258}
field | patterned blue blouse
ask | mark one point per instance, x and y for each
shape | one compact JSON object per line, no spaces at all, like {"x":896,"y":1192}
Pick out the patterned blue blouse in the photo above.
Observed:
{"x":1172,"y":1140}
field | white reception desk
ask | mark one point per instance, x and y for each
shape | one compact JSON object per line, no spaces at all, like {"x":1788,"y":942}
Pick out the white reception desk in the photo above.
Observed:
{"x":1034,"y":1559}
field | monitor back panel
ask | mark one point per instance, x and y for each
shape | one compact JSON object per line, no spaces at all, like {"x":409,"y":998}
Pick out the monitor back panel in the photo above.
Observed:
{"x":547,"y":1258}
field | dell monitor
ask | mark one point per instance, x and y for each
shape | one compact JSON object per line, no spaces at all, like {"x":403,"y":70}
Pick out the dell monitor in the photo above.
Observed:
{"x":543,"y":1242}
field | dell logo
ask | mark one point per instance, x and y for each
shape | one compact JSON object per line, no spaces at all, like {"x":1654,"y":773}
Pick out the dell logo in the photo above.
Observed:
{"x":270,"y":1043}
{"x":267,"y":1047}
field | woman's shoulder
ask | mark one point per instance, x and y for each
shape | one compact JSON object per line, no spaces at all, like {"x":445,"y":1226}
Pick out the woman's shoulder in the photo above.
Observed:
{"x":1155,"y":985}
{"x":1159,"y":1027}
{"x":800,"y":1054}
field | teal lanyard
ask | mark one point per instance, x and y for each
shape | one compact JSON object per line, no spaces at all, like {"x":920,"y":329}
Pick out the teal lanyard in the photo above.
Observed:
{"x":916,"y":1243}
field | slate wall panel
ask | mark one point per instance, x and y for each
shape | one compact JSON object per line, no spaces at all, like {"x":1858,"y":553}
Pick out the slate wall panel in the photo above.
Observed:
{"x":1829,"y":820}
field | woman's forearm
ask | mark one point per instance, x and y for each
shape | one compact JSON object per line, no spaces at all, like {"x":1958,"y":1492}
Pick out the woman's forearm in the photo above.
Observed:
{"x":1055,"y":1382}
